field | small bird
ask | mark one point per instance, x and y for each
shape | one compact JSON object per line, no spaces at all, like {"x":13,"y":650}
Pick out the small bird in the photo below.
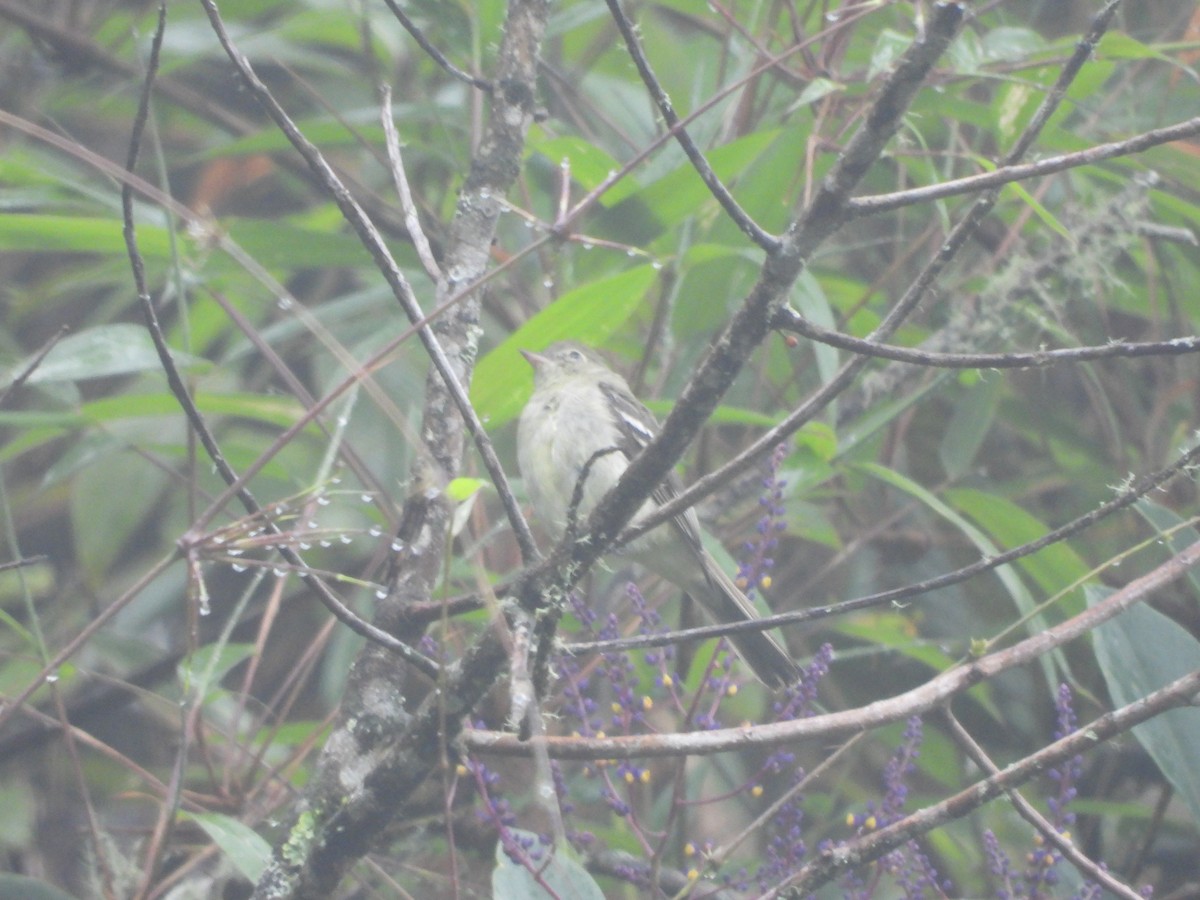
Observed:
{"x":579,"y":408}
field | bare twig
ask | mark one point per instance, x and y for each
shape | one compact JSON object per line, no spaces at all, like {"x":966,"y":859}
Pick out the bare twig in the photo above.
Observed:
{"x":411,"y":219}
{"x":440,"y":58}
{"x":1008,"y":174}
{"x":658,"y":94}
{"x":790,"y":320}
{"x":181,"y":393}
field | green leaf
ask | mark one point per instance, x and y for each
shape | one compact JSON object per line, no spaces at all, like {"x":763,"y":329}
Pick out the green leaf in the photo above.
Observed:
{"x":1166,"y":520}
{"x":110,"y":502}
{"x":589,"y":314}
{"x":589,"y":164}
{"x":682,"y":193}
{"x":1139,"y":652}
{"x":19,"y":887}
{"x":973,"y":416}
{"x":280,"y":245}
{"x":211,"y":663}
{"x":247,"y":849}
{"x":101,"y":352}
{"x":77,"y":234}
{"x":564,"y":877}
{"x":1054,"y":568}
{"x":459,"y":489}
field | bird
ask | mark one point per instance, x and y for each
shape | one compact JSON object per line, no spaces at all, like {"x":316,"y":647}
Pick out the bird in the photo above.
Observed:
{"x":582,"y":411}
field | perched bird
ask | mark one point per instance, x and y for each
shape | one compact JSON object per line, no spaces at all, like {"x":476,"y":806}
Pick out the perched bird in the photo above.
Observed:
{"x":579,"y":408}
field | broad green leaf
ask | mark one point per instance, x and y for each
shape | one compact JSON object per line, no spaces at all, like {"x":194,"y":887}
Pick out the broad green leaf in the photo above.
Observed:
{"x":589,"y":164}
{"x":101,"y":352}
{"x":682,"y":194}
{"x":897,"y":633}
{"x":212,"y":662}
{"x":1054,"y":568}
{"x":1140,"y":651}
{"x":279,"y":245}
{"x":247,"y":849}
{"x":21,"y":887}
{"x":1012,"y":583}
{"x":1166,"y":520}
{"x":588,"y":314}
{"x":459,"y":489}
{"x":111,"y":501}
{"x":77,"y":234}
{"x":812,"y":303}
{"x":565,"y":877}
{"x":974,"y":412}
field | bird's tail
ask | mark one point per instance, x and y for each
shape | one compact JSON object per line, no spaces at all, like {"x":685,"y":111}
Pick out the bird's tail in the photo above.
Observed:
{"x":726,"y":603}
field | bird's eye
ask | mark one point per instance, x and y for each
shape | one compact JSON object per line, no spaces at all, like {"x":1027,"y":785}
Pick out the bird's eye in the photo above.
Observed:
{"x":575,"y":355}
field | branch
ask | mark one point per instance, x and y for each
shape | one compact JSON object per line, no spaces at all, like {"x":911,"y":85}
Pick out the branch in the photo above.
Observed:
{"x":787,"y":319}
{"x":919,"y":700}
{"x":877,"y":203}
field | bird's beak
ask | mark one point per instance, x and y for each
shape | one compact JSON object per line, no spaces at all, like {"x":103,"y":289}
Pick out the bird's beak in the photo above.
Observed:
{"x":535,"y":359}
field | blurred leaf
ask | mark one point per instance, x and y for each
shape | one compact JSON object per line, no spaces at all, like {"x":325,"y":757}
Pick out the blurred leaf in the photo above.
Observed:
{"x":460,"y":489}
{"x":974,"y":412}
{"x":280,"y":245}
{"x":20,"y":887}
{"x":102,"y":352}
{"x":1181,"y":533}
{"x":1140,"y":651}
{"x":589,"y":164}
{"x":897,"y":632}
{"x":77,"y":234}
{"x":1054,"y":567}
{"x":564,"y":877}
{"x":247,"y":850}
{"x":212,"y":662}
{"x":111,"y":500}
{"x":682,"y":193}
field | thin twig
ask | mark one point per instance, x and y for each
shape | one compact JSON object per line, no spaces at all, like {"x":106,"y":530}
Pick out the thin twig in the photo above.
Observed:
{"x":440,"y":58}
{"x":411,"y":220}
{"x":181,"y":393}
{"x":658,"y":94}
{"x":789,"y":320}
{"x":1124,"y":499}
{"x":877,"y":203}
